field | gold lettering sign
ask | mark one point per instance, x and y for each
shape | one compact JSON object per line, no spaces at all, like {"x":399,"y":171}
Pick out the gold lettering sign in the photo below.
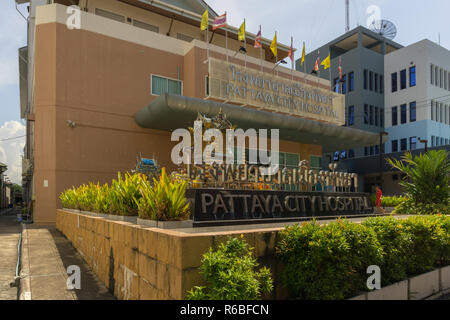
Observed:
{"x":236,"y":84}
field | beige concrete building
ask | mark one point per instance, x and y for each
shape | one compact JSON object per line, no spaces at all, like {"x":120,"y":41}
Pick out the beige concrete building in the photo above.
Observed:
{"x":101,"y":86}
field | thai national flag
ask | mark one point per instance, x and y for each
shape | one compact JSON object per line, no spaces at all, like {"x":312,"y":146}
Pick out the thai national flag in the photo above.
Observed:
{"x":220,"y":21}
{"x":258,"y":39}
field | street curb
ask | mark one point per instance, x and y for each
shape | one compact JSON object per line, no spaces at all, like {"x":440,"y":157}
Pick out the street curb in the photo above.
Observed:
{"x":24,"y":290}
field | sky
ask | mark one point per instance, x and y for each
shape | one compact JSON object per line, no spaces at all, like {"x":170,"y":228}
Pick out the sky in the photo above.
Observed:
{"x":314,"y":21}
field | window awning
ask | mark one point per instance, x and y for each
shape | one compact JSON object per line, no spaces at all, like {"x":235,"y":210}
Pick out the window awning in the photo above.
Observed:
{"x":169,"y":112}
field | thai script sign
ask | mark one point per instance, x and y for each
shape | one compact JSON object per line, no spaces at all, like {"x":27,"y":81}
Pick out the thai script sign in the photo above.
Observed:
{"x":236,"y":84}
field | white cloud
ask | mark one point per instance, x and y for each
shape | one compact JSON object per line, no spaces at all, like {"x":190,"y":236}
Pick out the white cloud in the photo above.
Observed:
{"x":11,"y":151}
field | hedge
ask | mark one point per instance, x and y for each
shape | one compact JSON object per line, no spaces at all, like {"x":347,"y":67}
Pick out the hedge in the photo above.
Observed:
{"x":330,"y":261}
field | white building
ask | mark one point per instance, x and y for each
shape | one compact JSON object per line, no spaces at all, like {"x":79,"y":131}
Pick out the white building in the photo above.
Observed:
{"x":417,"y":96}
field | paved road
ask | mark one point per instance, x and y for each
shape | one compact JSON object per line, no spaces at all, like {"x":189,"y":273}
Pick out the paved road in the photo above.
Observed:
{"x":9,"y":237}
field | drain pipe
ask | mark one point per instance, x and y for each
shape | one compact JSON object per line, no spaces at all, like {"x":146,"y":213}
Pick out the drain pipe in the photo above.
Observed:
{"x":19,"y":254}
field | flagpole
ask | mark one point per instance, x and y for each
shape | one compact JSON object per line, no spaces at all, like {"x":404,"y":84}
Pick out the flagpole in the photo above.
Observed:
{"x":207,"y":38}
{"x":245,"y":43}
{"x":226,"y":37}
{"x":304,"y":64}
{"x":261,"y":49}
{"x":276,"y":57}
{"x":293,"y":59}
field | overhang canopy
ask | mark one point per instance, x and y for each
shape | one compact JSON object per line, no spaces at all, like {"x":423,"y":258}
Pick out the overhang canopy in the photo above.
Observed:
{"x":169,"y":112}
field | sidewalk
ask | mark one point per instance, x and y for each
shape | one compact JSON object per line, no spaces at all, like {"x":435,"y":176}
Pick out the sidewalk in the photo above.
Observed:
{"x":46,"y":255}
{"x":9,"y":237}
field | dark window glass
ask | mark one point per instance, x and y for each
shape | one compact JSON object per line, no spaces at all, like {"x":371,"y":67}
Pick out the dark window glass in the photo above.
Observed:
{"x":403,"y":144}
{"x":403,"y":79}
{"x":377,"y":115}
{"x":403,"y":112}
{"x":394,"y":116}
{"x":372,"y":150}
{"x":412,"y":76}
{"x":371,"y":81}
{"x":343,"y":155}
{"x":394,"y":78}
{"x":377,"y":149}
{"x":366,"y":151}
{"x":351,"y":115}
{"x":381,"y":84}
{"x":382,"y":118}
{"x":351,"y":153}
{"x":365,"y":79}
{"x":351,"y":81}
{"x":413,"y":143}
{"x":344,"y":84}
{"x":412,"y":112}
{"x":336,"y":156}
{"x":376,"y":82}
{"x":366,"y":114}
{"x":371,"y":115}
{"x":394,"y":145}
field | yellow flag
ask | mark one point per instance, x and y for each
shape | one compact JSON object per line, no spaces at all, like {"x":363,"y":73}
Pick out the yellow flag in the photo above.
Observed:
{"x":274,"y":46}
{"x":303,"y":54}
{"x":241,"y":33}
{"x":326,"y":63}
{"x":205,"y":20}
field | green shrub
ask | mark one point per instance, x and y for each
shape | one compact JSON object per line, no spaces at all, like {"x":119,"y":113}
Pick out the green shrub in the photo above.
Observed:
{"x":164,"y":201}
{"x":388,"y":202}
{"x":430,"y":239}
{"x":327,"y":262}
{"x":427,"y":177}
{"x":330,"y":262}
{"x":411,"y":207}
{"x":396,"y":246}
{"x":230,"y":273}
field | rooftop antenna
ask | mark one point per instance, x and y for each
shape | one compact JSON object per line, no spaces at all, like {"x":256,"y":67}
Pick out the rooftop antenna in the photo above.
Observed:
{"x":347,"y":15}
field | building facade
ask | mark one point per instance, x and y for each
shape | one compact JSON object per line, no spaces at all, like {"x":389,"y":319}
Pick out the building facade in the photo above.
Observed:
{"x":131,"y":73}
{"x":418,"y":97}
{"x":361,"y":53}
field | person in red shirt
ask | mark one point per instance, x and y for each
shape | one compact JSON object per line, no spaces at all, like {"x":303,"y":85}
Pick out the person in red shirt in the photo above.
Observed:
{"x":379,"y":200}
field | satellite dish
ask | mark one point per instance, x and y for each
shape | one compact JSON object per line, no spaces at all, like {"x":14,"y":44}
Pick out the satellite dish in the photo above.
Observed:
{"x":384,"y":28}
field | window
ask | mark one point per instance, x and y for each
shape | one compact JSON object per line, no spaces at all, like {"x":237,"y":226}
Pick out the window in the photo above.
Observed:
{"x":403,"y":79}
{"x":336,"y":85}
{"x":441,"y":82}
{"x":351,"y":153}
{"x":394,"y":79}
{"x":436,"y":76}
{"x":315,"y":162}
{"x":413,"y":143}
{"x":412,"y":112}
{"x":366,"y":114}
{"x":351,"y":82}
{"x":394,"y":116}
{"x":351,"y":115}
{"x":161,"y":85}
{"x":366,"y":151}
{"x":433,"y":143}
{"x":432,"y":74}
{"x":382,"y":118}
{"x":394,"y":145}
{"x":371,"y":115}
{"x":376,"y":82}
{"x":365,"y":79}
{"x":344,"y":84}
{"x":377,"y":115}
{"x":432,"y":110}
{"x":403,"y":112}
{"x":412,"y":76}
{"x":206,"y":86}
{"x":381,"y":84}
{"x":145,"y":26}
{"x":371,"y":81}
{"x":109,"y":15}
{"x":372,"y":150}
{"x":377,"y":149}
{"x":403,"y":144}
